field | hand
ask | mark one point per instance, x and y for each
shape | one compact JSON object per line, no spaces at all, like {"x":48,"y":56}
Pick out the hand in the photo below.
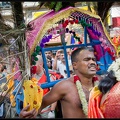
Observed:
{"x":58,"y":54}
{"x":28,"y":114}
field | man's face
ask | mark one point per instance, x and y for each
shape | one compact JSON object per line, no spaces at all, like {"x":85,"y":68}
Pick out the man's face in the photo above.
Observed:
{"x":62,"y":57}
{"x":39,"y":66}
{"x":58,"y":54}
{"x":69,"y":52}
{"x":86,"y":63}
{"x":49,"y":63}
{"x":48,"y":53}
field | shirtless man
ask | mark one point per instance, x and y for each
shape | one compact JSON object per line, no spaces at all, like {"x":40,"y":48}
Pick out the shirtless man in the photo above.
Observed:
{"x":84,"y":65}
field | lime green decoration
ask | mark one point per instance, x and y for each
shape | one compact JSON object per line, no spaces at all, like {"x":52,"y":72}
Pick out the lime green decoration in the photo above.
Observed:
{"x":34,"y":54}
{"x":38,"y":48}
{"x":58,"y":6}
{"x":84,"y":23}
{"x":52,"y":5}
{"x":89,"y":25}
{"x":35,"y":58}
{"x":33,"y":63}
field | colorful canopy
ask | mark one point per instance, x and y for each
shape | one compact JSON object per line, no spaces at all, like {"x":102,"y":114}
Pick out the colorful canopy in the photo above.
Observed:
{"x":40,"y":25}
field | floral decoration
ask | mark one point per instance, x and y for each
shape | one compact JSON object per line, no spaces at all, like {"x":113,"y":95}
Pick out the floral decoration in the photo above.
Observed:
{"x":115,"y":66}
{"x":82,"y":94}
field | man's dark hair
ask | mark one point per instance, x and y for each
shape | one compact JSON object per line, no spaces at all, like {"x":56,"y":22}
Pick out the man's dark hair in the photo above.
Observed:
{"x":76,"y":52}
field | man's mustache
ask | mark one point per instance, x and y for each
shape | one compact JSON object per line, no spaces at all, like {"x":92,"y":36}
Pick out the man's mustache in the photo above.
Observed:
{"x":92,"y":65}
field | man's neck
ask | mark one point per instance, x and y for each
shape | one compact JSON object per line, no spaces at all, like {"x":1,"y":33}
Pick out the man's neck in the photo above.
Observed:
{"x":86,"y":81}
{"x":38,"y":75}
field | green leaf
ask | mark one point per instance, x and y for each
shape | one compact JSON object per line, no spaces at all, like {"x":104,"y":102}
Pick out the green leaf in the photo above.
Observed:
{"x":52,"y":5}
{"x":34,"y":54}
{"x":58,"y":6}
{"x":35,"y":58}
{"x":33,"y":63}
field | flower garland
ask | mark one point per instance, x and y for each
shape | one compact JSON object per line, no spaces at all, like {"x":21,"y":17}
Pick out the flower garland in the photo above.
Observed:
{"x":115,"y":66}
{"x":82,"y":97}
{"x":82,"y":94}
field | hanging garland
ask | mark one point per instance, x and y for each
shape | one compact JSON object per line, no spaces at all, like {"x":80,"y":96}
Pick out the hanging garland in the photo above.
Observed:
{"x":81,"y":93}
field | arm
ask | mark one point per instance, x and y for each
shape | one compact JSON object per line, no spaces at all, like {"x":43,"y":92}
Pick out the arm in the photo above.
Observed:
{"x":56,"y":93}
{"x":53,"y":106}
{"x":55,"y":67}
{"x":55,"y":63}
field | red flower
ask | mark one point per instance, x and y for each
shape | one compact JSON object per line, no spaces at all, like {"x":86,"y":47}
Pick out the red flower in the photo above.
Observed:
{"x":67,"y":22}
{"x":71,"y":21}
{"x":33,"y":69}
{"x":76,"y":21}
{"x":112,"y":53}
{"x":64,"y":25}
{"x":95,"y":79}
{"x":76,"y":78}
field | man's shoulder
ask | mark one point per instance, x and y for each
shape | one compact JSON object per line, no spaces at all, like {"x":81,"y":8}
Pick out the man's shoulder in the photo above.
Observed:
{"x":67,"y":81}
{"x":64,"y":85}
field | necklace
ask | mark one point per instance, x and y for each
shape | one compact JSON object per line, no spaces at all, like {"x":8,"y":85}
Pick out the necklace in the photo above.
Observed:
{"x":82,"y":95}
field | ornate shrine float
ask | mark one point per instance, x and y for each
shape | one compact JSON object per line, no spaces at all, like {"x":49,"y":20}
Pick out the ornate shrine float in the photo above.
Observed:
{"x":72,"y":22}
{"x":53,"y":24}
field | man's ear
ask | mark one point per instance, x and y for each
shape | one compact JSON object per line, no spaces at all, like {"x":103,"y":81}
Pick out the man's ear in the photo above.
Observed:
{"x":74,"y":64}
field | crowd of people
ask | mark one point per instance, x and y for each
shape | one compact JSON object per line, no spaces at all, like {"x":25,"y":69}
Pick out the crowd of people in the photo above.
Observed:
{"x":84,"y":66}
{"x":82,"y":95}
{"x":79,"y":94}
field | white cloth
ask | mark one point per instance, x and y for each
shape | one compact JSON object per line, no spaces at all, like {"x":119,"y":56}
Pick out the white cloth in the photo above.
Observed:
{"x":51,"y":114}
{"x":61,"y":67}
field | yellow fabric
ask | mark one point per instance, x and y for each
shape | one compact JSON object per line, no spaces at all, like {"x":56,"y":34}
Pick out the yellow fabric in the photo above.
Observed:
{"x":34,"y":80}
{"x":9,"y":85}
{"x":94,"y":102}
{"x":33,"y":94}
{"x":110,"y":108}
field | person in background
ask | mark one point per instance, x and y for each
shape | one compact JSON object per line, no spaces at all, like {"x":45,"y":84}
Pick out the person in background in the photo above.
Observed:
{"x":70,"y":70}
{"x":56,"y":107}
{"x":51,"y":114}
{"x":49,"y":62}
{"x":49,"y":54}
{"x":104,"y":100}
{"x":62,"y":65}
{"x":69,"y":53}
{"x":73,"y":92}
{"x":41,"y":77}
{"x":57,"y":59}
